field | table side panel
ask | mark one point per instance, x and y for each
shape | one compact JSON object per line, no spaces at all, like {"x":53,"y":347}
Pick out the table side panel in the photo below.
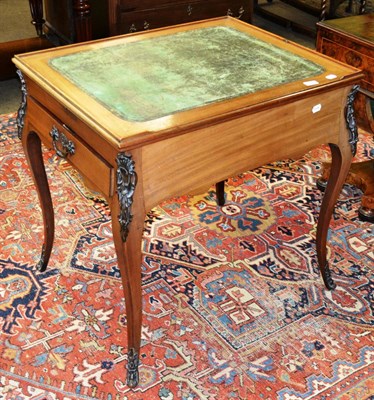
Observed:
{"x":192,"y":162}
{"x":341,"y":38}
{"x":84,"y":159}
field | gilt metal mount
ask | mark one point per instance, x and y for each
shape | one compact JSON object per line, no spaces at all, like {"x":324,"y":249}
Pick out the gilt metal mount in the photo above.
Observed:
{"x":351,"y":120}
{"x":126,"y":182}
{"x":132,"y":368}
{"x":22,"y":108}
{"x":62,"y":145}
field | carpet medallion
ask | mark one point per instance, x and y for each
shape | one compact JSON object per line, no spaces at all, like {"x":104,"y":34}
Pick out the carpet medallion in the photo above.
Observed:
{"x":234,"y":306}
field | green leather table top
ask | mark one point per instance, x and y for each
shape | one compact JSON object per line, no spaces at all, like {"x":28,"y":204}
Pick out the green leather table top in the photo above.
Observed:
{"x":163,"y":75}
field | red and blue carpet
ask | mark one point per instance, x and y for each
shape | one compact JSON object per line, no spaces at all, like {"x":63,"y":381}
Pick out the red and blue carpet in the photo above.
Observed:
{"x":234,"y":306}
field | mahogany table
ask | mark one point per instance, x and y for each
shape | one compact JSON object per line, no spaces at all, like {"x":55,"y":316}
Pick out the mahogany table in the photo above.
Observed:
{"x":152,"y":115}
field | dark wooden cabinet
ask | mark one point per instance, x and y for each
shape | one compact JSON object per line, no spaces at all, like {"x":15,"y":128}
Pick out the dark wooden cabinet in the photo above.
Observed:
{"x":135,"y":15}
{"x":351,"y":40}
{"x":69,"y":21}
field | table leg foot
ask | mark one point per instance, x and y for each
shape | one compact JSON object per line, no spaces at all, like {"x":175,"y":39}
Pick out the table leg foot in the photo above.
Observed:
{"x":326,"y":276}
{"x":220,"y":193}
{"x":42,"y":265}
{"x":321,"y":184}
{"x":132,"y":368}
{"x":366,"y":214}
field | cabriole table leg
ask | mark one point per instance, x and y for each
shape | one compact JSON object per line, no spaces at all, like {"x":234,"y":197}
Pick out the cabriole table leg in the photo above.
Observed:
{"x":33,"y":151}
{"x":341,"y":161}
{"x":128,"y":214}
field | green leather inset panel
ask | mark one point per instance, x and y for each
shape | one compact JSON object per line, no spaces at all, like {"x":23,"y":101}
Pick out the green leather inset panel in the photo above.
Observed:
{"x":148,"y":79}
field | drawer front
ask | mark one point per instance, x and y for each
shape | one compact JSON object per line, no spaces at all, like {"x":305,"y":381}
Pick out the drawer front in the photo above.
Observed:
{"x":181,"y":13}
{"x":54,"y":134}
{"x":351,"y":57}
{"x":136,"y":5}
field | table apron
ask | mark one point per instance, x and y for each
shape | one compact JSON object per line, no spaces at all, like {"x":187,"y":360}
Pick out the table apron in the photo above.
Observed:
{"x":190,"y":163}
{"x":86,"y":160}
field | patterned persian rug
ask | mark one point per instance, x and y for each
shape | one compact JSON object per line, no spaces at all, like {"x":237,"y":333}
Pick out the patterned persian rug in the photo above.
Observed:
{"x":234,"y":306}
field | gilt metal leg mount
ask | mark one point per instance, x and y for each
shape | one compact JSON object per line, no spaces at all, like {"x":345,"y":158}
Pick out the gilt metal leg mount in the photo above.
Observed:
{"x":351,"y":120}
{"x":22,"y":108}
{"x":126,"y":182}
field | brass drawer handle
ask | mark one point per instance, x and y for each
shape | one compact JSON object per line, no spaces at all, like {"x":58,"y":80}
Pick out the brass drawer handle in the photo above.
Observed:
{"x":62,"y":145}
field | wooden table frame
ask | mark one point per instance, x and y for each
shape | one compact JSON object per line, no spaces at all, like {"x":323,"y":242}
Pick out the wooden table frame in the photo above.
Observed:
{"x":134,"y":168}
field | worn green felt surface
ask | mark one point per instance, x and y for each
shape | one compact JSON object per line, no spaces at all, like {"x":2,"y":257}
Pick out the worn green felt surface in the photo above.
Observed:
{"x":148,"y":79}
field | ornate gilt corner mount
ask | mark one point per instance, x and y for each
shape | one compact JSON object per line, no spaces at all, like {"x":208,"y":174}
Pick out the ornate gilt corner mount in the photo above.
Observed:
{"x":22,"y":108}
{"x":126,"y":183}
{"x":327,"y":278}
{"x":351,"y":120}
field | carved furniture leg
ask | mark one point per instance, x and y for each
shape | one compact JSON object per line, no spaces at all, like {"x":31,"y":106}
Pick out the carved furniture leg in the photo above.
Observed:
{"x":341,"y":161}
{"x":33,"y":150}
{"x":220,"y":193}
{"x":36,"y":9}
{"x":82,"y":20}
{"x":128,"y":216}
{"x":341,"y":155}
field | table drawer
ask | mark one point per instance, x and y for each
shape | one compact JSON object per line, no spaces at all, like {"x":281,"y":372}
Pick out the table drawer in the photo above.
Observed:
{"x":181,"y":13}
{"x":351,"y":57}
{"x":67,"y":145}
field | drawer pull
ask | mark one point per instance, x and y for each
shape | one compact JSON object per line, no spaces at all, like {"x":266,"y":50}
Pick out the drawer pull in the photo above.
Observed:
{"x":62,"y":145}
{"x":241,"y":12}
